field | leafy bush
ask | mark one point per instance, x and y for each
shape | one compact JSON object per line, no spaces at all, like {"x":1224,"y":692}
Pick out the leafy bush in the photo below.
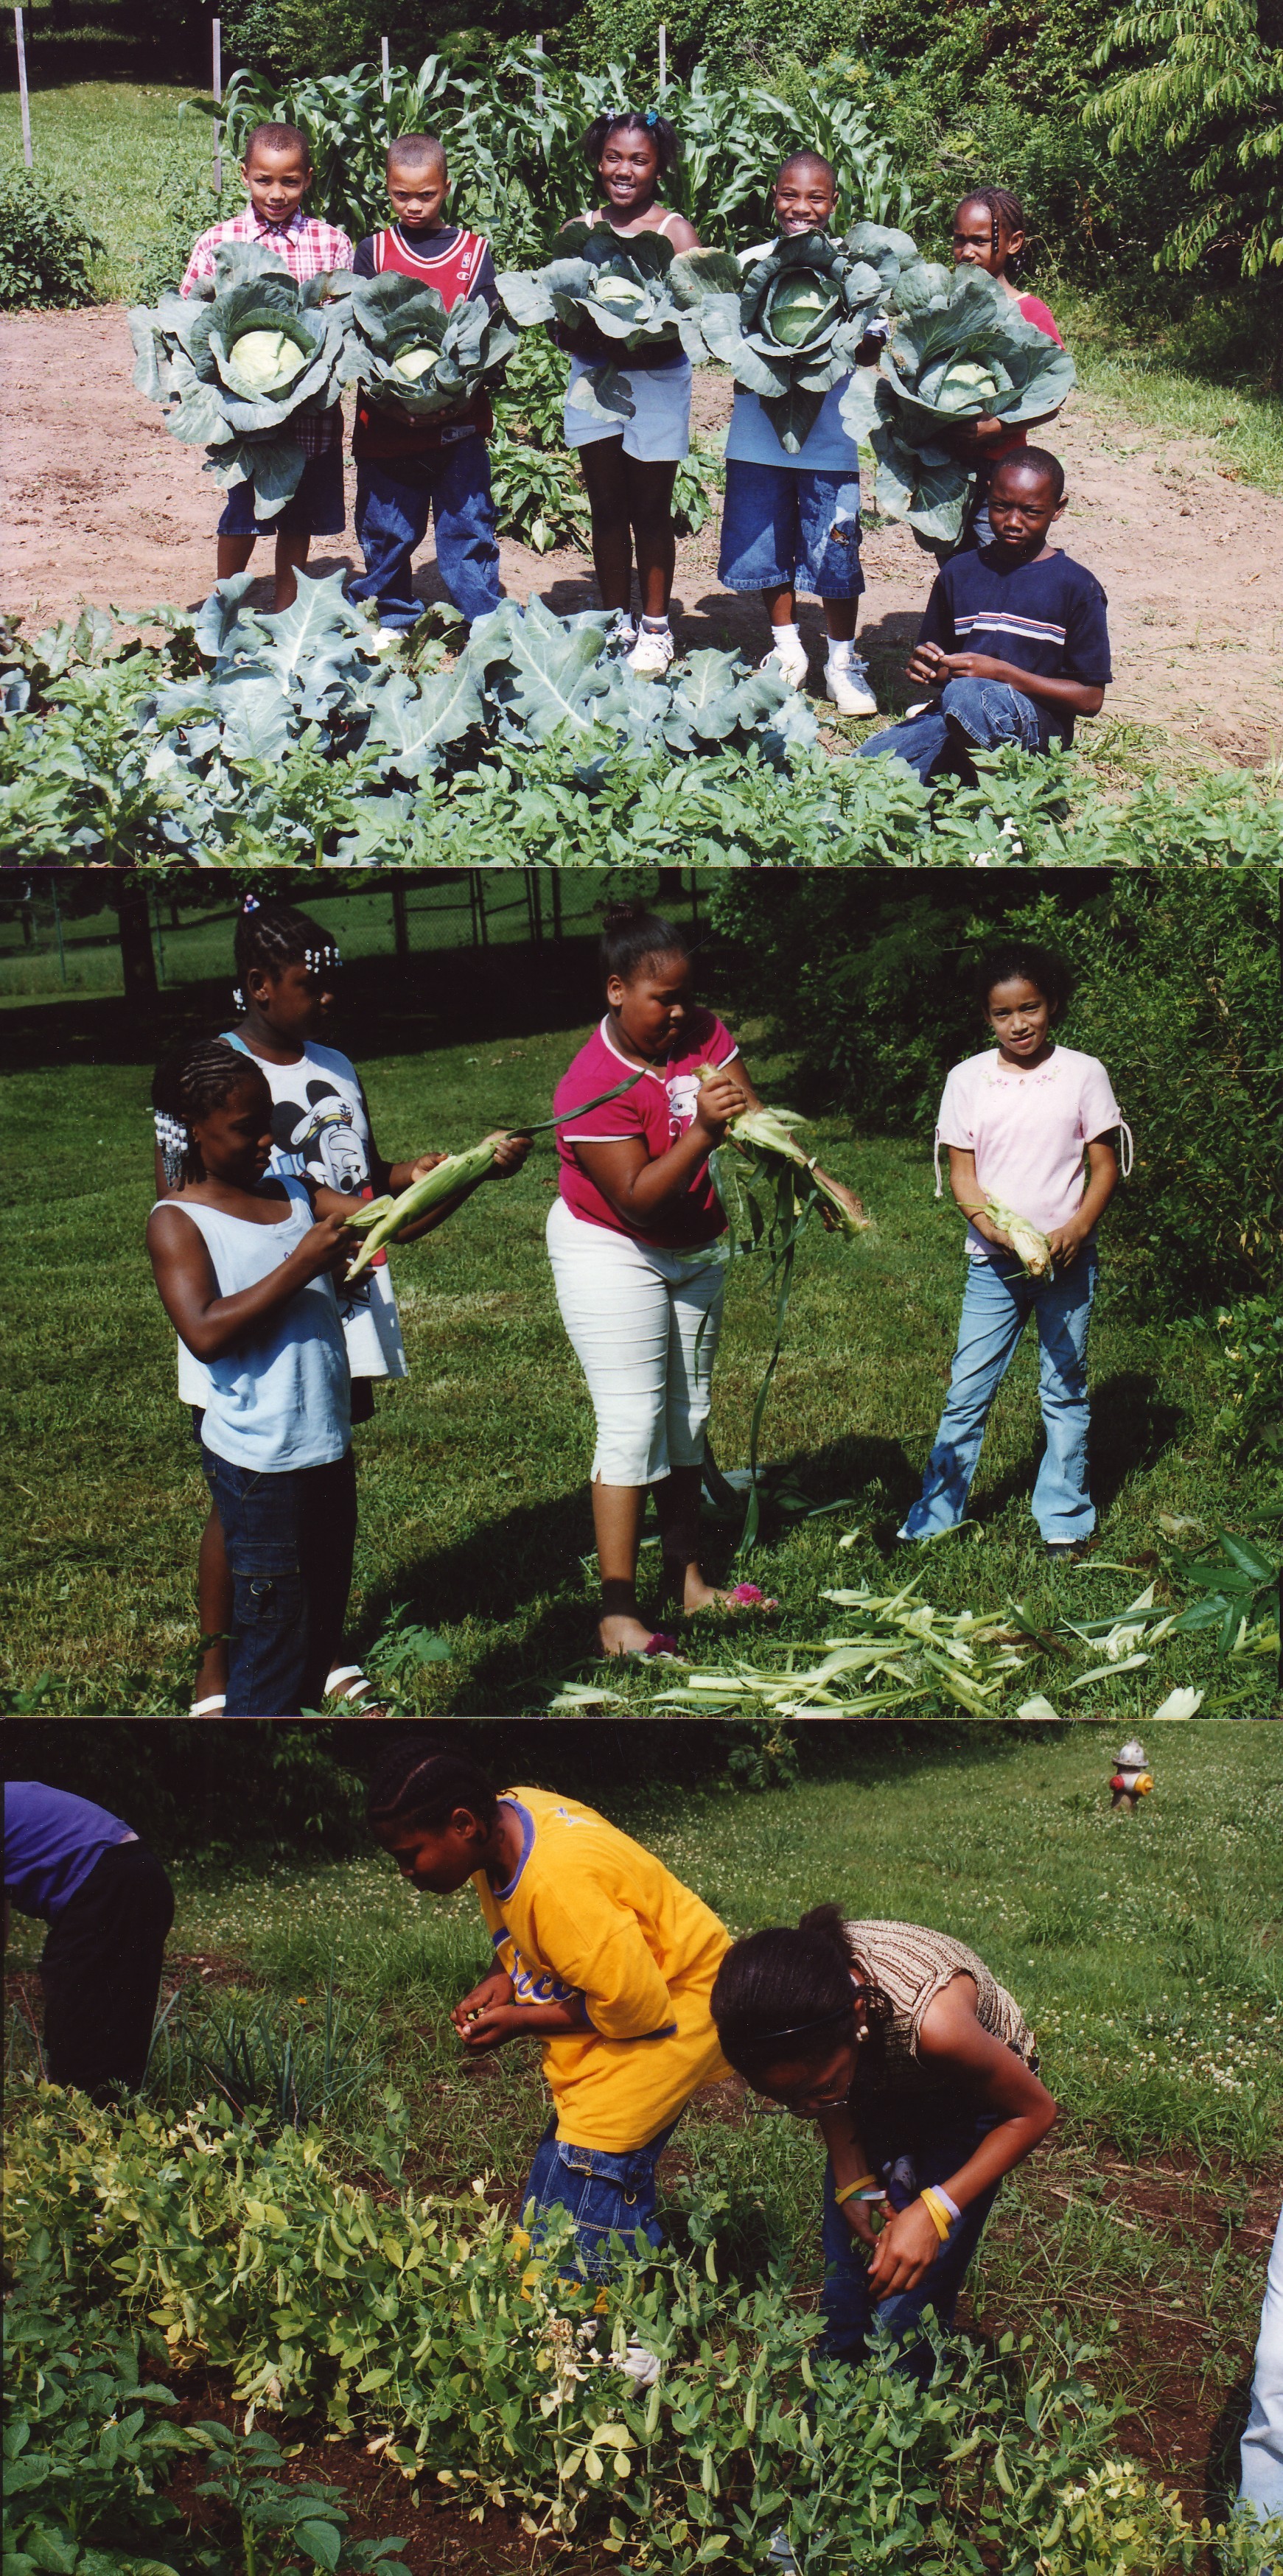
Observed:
{"x":186,"y":207}
{"x":45,"y":247}
{"x":489,"y":2378}
{"x":1248,"y":1373}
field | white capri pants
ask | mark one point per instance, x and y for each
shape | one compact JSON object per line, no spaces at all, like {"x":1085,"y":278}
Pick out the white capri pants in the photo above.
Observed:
{"x":1262,"y":2451}
{"x":634,"y":1314}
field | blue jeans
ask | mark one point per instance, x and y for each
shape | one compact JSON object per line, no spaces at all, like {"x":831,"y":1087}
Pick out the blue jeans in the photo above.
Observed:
{"x":787,"y":528}
{"x":394,"y":502}
{"x":996,"y":1307}
{"x":604,"y":2194}
{"x":968,"y":715}
{"x":289,"y":1541}
{"x":907,"y":2144}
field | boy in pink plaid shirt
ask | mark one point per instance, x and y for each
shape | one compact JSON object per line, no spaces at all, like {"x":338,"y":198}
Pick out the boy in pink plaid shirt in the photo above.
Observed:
{"x":277,"y":171}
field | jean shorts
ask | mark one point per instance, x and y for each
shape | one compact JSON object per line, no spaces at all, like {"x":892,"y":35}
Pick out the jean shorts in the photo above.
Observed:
{"x":787,"y":528}
{"x":315,"y":510}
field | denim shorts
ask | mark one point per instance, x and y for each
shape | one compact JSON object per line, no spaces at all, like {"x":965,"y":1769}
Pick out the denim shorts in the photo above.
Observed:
{"x":605,"y":2194}
{"x":785,"y":528}
{"x":315,"y":510}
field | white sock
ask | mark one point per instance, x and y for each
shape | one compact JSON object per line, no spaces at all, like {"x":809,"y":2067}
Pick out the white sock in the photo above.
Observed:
{"x":656,"y":625}
{"x":787,"y":628}
{"x":841,"y":652}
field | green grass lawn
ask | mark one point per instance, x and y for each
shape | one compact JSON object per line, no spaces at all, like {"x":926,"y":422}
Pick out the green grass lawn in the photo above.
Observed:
{"x":1144,"y":1953}
{"x":473,"y":1476}
{"x":122,"y":152}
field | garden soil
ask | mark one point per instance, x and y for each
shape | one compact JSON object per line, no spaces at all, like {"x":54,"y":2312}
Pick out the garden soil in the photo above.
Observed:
{"x":103,"y":507}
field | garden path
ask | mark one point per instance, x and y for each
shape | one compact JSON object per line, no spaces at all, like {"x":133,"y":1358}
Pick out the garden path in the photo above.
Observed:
{"x":102,"y":506}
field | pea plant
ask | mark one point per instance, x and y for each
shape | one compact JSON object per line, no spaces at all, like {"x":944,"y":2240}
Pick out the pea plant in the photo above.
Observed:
{"x":473,"y":2364}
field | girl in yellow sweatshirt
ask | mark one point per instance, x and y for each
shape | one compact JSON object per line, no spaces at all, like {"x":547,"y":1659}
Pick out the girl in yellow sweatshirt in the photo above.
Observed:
{"x":599,"y":1953}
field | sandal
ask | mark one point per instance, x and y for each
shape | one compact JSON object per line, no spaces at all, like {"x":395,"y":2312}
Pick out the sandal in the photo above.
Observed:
{"x":211,"y":1707}
{"x":348,"y":1683}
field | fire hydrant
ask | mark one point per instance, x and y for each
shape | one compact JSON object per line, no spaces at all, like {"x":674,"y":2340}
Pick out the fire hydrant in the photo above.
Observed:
{"x":1132,"y":1778}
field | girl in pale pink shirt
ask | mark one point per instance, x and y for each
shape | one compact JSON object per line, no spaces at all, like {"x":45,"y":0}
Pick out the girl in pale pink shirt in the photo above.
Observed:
{"x":1027,"y":1123}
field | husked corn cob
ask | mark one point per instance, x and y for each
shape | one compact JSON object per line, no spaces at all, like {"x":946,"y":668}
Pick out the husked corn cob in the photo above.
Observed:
{"x":770,"y":1131}
{"x":1032,"y":1250}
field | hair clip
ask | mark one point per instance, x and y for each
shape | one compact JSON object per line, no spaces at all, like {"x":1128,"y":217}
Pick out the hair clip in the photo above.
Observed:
{"x":651,"y":117}
{"x":238,"y":998}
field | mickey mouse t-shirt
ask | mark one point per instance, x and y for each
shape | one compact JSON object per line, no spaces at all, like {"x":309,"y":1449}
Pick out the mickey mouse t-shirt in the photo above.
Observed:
{"x":659,"y":1108}
{"x":321,"y":1133}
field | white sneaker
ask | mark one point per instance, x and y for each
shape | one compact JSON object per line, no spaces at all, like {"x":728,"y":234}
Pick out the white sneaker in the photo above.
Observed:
{"x":789,"y":658}
{"x":846,"y":682}
{"x":652,"y":652}
{"x":621,"y":637}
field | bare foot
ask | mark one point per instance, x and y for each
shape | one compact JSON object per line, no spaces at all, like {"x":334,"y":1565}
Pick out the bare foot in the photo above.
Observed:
{"x":699,"y":1595}
{"x":622,"y":1635}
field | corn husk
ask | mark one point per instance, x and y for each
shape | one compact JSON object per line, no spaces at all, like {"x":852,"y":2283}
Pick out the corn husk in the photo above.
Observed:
{"x":771,"y":1131}
{"x":1032,"y":1250}
{"x":455,"y":1173}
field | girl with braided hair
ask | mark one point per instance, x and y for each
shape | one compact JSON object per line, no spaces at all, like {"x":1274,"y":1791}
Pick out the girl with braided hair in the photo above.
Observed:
{"x":600,"y":1955}
{"x":245,"y":1263}
{"x":922,"y":2074}
{"x":989,"y":233}
{"x":288,"y":970}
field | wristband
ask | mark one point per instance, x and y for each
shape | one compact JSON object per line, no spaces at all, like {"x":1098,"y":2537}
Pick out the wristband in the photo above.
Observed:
{"x":850,"y":2189}
{"x":936,"y":2212}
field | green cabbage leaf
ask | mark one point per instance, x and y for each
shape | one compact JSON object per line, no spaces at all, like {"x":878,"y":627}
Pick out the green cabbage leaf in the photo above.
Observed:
{"x":408,"y":351}
{"x":240,"y":361}
{"x":621,"y":286}
{"x":790,"y":325}
{"x":958,"y":350}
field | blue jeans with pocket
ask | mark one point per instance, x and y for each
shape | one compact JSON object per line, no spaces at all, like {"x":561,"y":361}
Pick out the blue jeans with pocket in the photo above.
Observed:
{"x":786,"y":527}
{"x":996,"y":1306}
{"x":908,"y":2145}
{"x":394,"y":501}
{"x":968,"y":715}
{"x":605,"y":2194}
{"x":289,"y":1540}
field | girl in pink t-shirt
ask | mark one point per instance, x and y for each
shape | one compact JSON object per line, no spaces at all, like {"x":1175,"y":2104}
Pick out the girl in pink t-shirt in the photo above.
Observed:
{"x":1028,"y":1124}
{"x":634,"y":1240}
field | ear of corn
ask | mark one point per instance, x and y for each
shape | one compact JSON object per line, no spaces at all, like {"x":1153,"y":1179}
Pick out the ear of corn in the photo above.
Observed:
{"x":1032,"y":1250}
{"x":455,"y":1173}
{"x":771,"y":1131}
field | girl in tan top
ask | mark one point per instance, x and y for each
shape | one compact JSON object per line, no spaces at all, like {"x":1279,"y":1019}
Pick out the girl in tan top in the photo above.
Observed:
{"x":922,"y":2073}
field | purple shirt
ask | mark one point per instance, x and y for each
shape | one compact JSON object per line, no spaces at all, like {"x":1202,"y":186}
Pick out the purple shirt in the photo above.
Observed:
{"x":51,"y":1843}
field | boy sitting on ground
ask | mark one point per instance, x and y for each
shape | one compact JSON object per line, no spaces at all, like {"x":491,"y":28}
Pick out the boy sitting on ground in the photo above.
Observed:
{"x":277,"y":171}
{"x":1014,"y":636}
{"x":409,"y":469}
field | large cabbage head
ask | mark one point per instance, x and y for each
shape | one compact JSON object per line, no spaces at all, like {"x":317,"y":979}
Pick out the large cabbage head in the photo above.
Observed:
{"x":407,"y":350}
{"x":266,"y":358}
{"x":789,"y":329}
{"x":616,"y":286}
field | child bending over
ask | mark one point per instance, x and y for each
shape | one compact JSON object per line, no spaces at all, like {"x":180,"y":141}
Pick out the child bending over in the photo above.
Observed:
{"x":277,"y":171}
{"x":1014,"y":637}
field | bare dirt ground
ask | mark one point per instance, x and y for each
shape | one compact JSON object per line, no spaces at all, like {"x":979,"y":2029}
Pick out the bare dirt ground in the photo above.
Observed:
{"x":103,"y":507}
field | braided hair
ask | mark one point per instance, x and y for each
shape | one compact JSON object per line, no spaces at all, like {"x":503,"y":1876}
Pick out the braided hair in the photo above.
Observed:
{"x":272,"y":936}
{"x":786,"y":1997}
{"x":632,"y":120}
{"x":421,"y":1781}
{"x":186,"y":1086}
{"x":1006,"y":214}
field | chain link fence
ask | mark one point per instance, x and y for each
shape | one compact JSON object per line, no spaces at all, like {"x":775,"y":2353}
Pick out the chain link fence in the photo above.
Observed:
{"x":51,"y":944}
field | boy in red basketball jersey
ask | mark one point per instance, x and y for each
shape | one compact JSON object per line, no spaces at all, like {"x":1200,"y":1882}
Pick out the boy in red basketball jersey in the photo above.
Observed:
{"x":408,"y":470}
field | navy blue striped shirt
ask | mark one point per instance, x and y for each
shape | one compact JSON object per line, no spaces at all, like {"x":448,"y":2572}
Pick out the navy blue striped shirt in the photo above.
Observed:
{"x":1047,"y":617}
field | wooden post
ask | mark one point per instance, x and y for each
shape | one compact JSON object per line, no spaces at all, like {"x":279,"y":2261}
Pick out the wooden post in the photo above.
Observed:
{"x":387,"y":72}
{"x":160,"y":944}
{"x":400,"y":919}
{"x":23,"y":98}
{"x":663,"y":58}
{"x":556,"y":903}
{"x":216,"y":84}
{"x":477,"y":883}
{"x":538,"y":81}
{"x":57,"y":923}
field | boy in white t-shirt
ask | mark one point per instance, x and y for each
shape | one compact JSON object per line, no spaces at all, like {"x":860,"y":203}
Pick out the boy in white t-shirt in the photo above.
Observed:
{"x":793,"y":522}
{"x":1027,"y":1125}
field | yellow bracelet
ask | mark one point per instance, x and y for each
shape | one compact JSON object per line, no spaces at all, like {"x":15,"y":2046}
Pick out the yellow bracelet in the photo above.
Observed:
{"x":936,"y":2212}
{"x":850,"y":2189}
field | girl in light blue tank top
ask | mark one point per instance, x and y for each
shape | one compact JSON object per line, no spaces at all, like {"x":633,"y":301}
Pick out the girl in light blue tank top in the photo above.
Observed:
{"x":281,"y":1398}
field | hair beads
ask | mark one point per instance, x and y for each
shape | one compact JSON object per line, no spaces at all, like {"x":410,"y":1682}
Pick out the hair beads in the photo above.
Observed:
{"x":174,"y":1136}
